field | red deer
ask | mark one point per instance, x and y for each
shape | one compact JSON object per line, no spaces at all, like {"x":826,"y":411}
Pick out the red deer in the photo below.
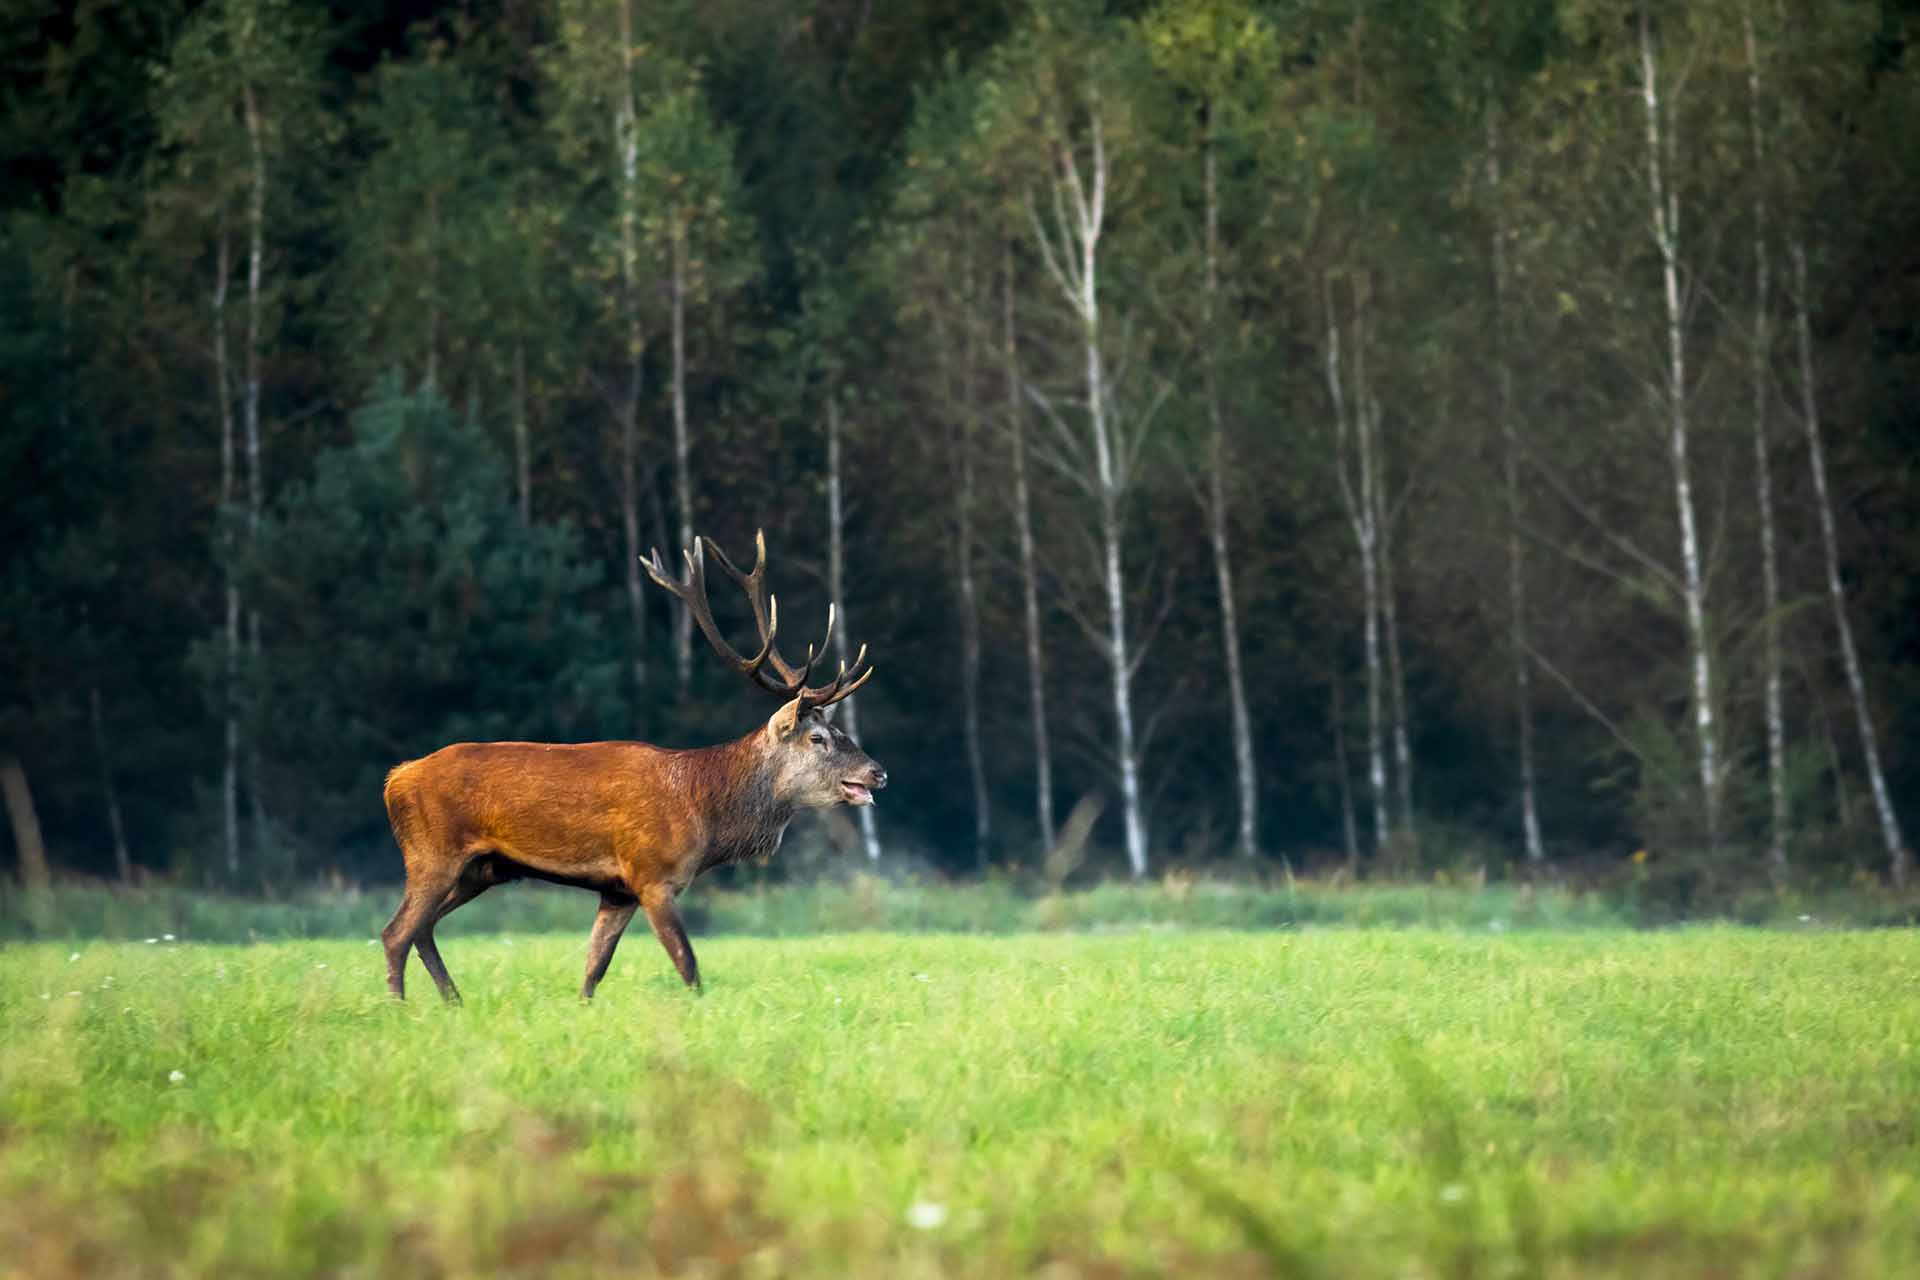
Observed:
{"x":634,"y":823}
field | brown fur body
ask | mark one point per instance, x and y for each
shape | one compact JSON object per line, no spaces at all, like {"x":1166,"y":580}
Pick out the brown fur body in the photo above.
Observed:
{"x":632,"y":822}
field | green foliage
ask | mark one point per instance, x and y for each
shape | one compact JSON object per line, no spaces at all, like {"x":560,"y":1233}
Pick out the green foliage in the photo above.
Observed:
{"x":1333,"y":1103}
{"x":447,"y":193}
{"x":467,"y":624}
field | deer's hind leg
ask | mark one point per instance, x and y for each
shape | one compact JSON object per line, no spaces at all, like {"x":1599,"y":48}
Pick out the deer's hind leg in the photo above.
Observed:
{"x":429,"y":883}
{"x":478,"y":876}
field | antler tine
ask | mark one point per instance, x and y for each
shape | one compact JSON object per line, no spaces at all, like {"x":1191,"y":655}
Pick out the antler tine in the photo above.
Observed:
{"x":839,"y":688}
{"x":754,"y":584}
{"x":785,"y":680}
{"x":827,"y":639}
{"x":692,"y":592}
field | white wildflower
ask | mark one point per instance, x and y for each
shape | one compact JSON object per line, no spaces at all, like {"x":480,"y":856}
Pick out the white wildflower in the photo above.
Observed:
{"x":166,"y":937}
{"x":176,"y":1077}
{"x":151,"y":941}
{"x":925,"y":1215}
{"x":76,"y":955}
{"x":1452,"y":1193}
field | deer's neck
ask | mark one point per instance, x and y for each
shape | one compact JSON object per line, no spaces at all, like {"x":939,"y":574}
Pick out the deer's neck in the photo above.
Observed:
{"x":748,"y":816}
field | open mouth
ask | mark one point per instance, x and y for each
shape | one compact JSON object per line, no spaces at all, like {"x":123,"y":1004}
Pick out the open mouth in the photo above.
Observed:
{"x":856,"y":792}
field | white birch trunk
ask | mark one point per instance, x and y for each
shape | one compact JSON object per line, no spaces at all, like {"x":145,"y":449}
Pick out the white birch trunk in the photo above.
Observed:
{"x":626,"y":133}
{"x":1664,"y":204}
{"x":964,"y":445}
{"x":256,"y":484}
{"x":1243,"y":768}
{"x":682,"y":449}
{"x":1899,"y":861}
{"x":1029,"y":584}
{"x":1356,"y":494}
{"x":1390,"y":626}
{"x":1080,"y":213}
{"x":1510,"y":464}
{"x":836,"y":591}
{"x":230,"y":711}
{"x":1091,"y":219}
{"x":1761,"y":361}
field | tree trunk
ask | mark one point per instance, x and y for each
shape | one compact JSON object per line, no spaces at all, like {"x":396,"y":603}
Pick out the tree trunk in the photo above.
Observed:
{"x":1760,"y":373}
{"x":110,"y":792}
{"x":1390,"y":626}
{"x":256,"y":484}
{"x":1099,"y":413}
{"x":1356,"y":493}
{"x":682,"y":472}
{"x":1243,"y":770}
{"x":1510,"y":466}
{"x":1029,"y":585}
{"x":1899,"y":861}
{"x":432,"y":337}
{"x":836,"y":590}
{"x":522,"y":434}
{"x":626,"y":133}
{"x":1665,"y":209}
{"x":1079,"y":211}
{"x":230,"y":673}
{"x":963,"y":500}
{"x":1349,"y":827}
{"x":34,"y":873}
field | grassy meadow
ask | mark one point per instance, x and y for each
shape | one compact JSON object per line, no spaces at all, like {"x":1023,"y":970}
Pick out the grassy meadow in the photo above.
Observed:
{"x":1325,"y":1102}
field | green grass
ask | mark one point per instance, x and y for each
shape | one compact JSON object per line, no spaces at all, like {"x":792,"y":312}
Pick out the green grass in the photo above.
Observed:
{"x":1712,"y":1101}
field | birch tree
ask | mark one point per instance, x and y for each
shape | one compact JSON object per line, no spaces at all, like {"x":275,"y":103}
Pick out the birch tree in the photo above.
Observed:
{"x":1016,"y":415}
{"x":1356,"y":469}
{"x":1505,"y":415}
{"x":1760,"y":376}
{"x":238,"y":84}
{"x":1067,"y":214}
{"x":686,"y":166}
{"x":848,"y":710}
{"x":1214,"y":49}
{"x":595,"y":66}
{"x":1807,"y":164}
{"x":1664,"y":210}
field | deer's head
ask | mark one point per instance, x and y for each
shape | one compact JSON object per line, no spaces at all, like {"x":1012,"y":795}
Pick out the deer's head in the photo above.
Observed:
{"x":814,"y":763}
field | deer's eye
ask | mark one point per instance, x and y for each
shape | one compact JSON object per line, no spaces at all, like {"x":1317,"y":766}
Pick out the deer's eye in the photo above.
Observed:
{"x":819,"y":739}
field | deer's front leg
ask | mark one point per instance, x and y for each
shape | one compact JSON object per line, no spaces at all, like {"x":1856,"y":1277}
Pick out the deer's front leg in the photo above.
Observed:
{"x":664,"y":916}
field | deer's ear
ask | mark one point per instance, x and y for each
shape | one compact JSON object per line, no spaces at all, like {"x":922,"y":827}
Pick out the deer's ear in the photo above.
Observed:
{"x":785,"y":721}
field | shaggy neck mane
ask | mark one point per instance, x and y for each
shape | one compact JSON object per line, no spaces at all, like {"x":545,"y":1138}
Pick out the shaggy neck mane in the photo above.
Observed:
{"x":735,"y":781}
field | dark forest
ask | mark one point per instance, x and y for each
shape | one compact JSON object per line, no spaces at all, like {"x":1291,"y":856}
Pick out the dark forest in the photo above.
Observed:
{"x":1359,"y":434}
